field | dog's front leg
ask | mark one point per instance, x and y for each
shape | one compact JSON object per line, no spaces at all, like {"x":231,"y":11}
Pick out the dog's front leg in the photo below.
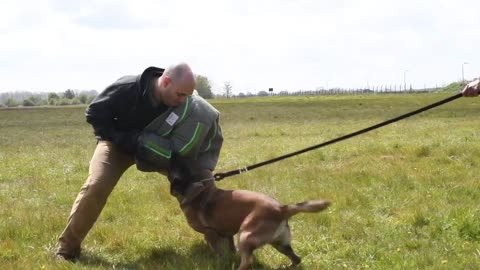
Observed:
{"x":193,"y":219}
{"x":219,"y":244}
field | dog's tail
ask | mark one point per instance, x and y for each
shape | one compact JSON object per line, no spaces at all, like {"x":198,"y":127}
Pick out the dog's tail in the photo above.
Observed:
{"x":305,"y":207}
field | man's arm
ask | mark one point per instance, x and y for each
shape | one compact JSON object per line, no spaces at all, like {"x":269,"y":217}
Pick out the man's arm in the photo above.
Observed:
{"x":105,"y":108}
{"x":472,"y":89}
{"x":185,"y":140}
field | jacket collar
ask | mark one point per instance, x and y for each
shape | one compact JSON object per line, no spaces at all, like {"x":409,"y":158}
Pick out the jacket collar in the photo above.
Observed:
{"x":144,"y":79}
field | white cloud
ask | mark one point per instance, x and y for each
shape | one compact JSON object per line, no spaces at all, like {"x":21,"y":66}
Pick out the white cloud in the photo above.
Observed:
{"x":53,"y":44}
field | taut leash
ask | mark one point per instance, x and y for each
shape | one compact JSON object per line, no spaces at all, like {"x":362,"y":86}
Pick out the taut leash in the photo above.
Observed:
{"x":220,"y":176}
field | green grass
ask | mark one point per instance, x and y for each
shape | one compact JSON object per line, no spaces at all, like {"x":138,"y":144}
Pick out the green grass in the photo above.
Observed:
{"x":404,"y":197}
{"x":454,"y":87}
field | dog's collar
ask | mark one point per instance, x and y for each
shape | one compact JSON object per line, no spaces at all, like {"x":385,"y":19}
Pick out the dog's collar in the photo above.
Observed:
{"x":206,"y":180}
{"x":195,"y":189}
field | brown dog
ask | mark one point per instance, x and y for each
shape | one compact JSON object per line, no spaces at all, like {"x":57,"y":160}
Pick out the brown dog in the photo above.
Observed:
{"x":219,"y":214}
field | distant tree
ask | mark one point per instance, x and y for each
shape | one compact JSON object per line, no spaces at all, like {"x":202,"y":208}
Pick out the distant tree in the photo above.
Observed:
{"x":52,"y":96}
{"x":52,"y":99}
{"x":10,"y":102}
{"x":241,"y":95}
{"x":63,"y":102}
{"x":42,"y":102}
{"x":69,"y":94}
{"x":262,"y":94}
{"x":34,"y":99}
{"x":83,"y":98}
{"x":203,"y":87}
{"x":89,"y":99}
{"x":28,"y":102}
{"x":227,"y":89}
{"x":76,"y":101}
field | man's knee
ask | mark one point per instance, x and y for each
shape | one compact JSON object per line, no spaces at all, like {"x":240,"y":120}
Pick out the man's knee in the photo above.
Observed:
{"x":97,"y":189}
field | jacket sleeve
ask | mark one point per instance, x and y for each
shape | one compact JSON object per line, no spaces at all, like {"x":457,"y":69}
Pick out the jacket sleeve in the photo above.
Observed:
{"x":101,"y":114}
{"x":185,"y":140}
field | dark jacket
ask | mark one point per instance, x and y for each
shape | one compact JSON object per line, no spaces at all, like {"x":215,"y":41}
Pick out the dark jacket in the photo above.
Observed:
{"x":124,"y":109}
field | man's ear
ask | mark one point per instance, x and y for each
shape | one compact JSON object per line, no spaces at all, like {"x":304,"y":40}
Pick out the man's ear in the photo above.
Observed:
{"x":166,"y":81}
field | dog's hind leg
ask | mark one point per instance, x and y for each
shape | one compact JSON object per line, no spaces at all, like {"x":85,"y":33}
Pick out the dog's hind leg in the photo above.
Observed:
{"x":287,"y":250}
{"x":282,"y":241}
{"x":247,"y":243}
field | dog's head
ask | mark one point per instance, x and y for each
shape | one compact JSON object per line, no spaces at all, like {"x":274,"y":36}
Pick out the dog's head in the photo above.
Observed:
{"x":179,"y":175}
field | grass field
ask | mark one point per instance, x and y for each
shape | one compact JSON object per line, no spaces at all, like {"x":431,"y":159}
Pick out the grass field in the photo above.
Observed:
{"x":404,"y":197}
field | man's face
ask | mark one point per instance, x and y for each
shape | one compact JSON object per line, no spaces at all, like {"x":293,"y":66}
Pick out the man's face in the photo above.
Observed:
{"x":175,"y":93}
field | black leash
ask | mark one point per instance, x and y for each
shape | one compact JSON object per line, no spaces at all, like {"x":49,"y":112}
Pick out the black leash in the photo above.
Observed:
{"x":220,"y":176}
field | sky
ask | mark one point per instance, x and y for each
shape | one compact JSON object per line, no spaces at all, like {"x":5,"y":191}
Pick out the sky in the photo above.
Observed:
{"x":54,"y":45}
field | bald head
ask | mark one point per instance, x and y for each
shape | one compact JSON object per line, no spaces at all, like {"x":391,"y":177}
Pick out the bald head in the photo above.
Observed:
{"x":181,"y":73}
{"x":176,"y":83}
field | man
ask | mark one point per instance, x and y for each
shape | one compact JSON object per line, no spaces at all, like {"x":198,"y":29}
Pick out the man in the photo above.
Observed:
{"x":190,"y":131}
{"x":119,"y":115}
{"x":472,"y":89}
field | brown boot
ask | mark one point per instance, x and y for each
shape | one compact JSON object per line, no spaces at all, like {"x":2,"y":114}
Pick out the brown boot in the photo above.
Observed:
{"x":65,"y":253}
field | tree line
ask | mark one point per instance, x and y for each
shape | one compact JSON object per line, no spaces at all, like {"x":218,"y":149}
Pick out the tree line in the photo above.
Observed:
{"x":29,"y":99}
{"x":75,"y":97}
{"x":204,"y":89}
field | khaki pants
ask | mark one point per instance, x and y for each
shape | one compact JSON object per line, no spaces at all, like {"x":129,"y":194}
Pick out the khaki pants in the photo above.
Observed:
{"x":106,"y":167}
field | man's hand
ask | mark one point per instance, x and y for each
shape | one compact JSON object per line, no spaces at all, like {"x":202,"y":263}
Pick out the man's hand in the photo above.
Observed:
{"x":472,"y":89}
{"x":128,"y":141}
